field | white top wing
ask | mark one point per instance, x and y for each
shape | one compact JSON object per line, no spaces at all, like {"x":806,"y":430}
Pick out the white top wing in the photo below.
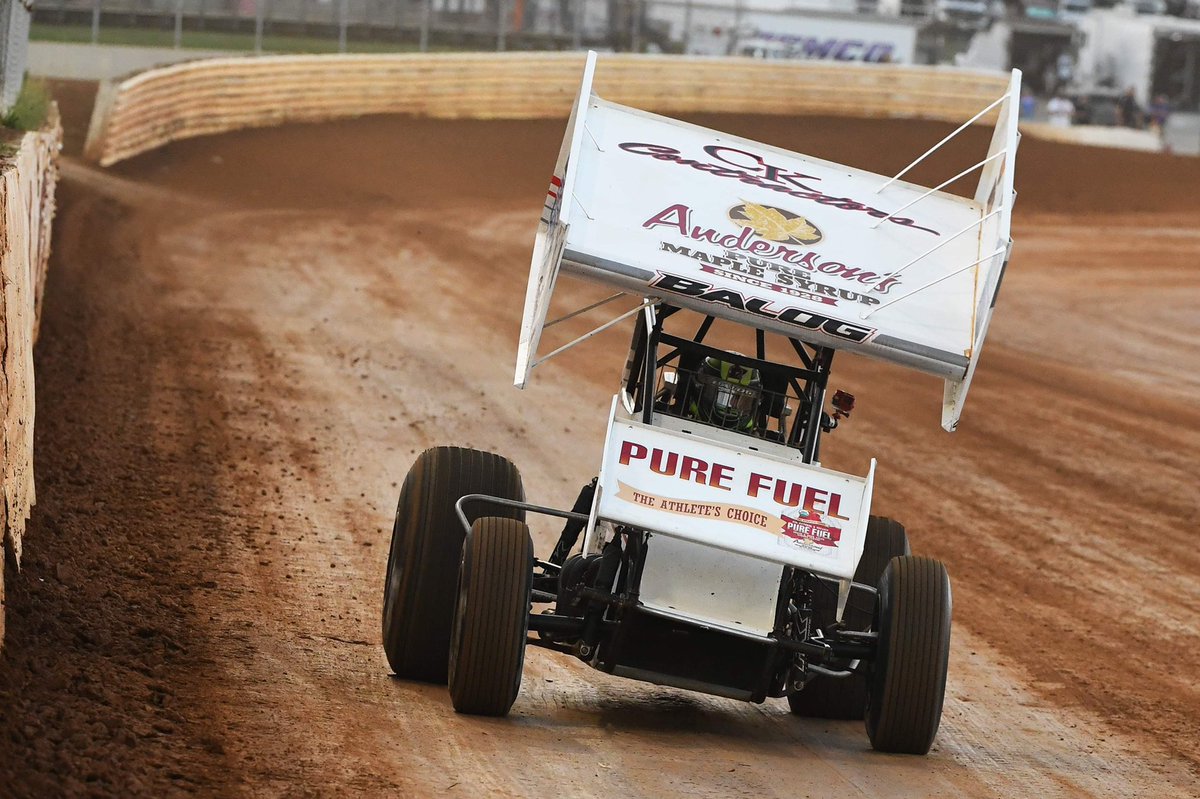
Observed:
{"x":807,"y":248}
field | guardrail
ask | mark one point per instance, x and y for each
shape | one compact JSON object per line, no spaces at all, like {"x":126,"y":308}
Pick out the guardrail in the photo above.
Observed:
{"x":219,"y":95}
{"x":27,"y":180}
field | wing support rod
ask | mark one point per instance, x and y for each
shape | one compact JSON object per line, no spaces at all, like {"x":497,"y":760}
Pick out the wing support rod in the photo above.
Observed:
{"x":647,"y":302}
{"x":934,"y":282}
{"x":591,"y":307}
{"x":942,"y":243}
{"x":939,"y":187}
{"x":935,"y":147}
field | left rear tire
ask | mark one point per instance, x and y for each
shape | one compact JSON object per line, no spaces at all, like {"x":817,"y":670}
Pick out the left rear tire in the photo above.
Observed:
{"x":422,"y":568}
{"x":491,"y":617}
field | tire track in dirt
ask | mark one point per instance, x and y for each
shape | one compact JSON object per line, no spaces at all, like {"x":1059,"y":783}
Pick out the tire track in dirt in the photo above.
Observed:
{"x":98,"y":677}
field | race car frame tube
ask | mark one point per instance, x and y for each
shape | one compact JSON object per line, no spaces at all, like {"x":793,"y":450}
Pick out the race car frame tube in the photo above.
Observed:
{"x":815,"y":374}
{"x":586,"y":632}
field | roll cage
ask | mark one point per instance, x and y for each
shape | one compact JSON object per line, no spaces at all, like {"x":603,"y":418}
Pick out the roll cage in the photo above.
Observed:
{"x":789,"y":410}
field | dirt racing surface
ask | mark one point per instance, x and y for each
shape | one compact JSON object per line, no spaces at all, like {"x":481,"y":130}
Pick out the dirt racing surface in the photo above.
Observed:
{"x":247,"y":339}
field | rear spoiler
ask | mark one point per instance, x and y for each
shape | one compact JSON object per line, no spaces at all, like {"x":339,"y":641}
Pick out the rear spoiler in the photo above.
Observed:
{"x":662,"y":210}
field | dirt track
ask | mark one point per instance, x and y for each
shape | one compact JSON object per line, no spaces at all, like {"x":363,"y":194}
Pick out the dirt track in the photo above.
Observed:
{"x":248,"y":338}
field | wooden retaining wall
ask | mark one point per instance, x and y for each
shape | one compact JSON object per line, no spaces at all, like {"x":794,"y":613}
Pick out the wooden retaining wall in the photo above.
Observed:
{"x":196,"y":98}
{"x":28,"y":175}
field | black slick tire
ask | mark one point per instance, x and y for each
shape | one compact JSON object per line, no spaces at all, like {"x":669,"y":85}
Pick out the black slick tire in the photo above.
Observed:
{"x":907,"y":683}
{"x":846,"y":697}
{"x":491,"y":622}
{"x":423,"y":561}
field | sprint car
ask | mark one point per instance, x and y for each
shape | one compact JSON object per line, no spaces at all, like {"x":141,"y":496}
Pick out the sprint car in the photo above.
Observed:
{"x":712,"y":551}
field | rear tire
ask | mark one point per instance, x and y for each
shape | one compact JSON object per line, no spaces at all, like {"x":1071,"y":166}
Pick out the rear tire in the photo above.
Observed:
{"x":907,"y":684}
{"x":422,"y":570}
{"x":846,"y":697}
{"x":491,"y":621}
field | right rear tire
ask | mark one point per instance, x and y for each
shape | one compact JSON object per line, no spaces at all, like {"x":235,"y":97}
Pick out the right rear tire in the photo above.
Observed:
{"x":907,"y":684}
{"x":846,"y":697}
{"x":427,"y":539}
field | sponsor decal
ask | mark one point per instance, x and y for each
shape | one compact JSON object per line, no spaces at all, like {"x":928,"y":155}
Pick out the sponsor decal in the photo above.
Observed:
{"x":755,"y":256}
{"x":708,"y":292}
{"x":746,"y":167}
{"x":799,"y":515}
{"x":553,"y":201}
{"x":828,"y":48}
{"x":775,"y":224}
{"x":807,"y":527}
{"x":733,"y":267}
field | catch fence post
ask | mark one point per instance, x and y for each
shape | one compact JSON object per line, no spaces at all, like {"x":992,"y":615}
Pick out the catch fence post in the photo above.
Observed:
{"x":738,"y":10}
{"x":178,"y":24}
{"x":258,"y":27}
{"x":687,"y":26}
{"x":426,"y":12}
{"x":501,"y":28}
{"x":14,"y":52}
{"x":635,"y":34}
{"x":342,"y":13}
{"x":95,"y":21}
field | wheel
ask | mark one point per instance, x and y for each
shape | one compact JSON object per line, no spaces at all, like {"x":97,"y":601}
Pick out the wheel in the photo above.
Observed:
{"x":907,"y":683}
{"x":846,"y":697}
{"x":491,"y":619}
{"x":422,"y":570}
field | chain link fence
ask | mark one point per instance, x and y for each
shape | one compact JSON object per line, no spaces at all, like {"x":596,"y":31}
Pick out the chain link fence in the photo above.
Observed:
{"x":707,"y":27}
{"x":14,"y":41}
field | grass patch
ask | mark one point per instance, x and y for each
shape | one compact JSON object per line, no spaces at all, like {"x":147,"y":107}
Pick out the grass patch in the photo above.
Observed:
{"x":207,"y":40}
{"x":30,"y":109}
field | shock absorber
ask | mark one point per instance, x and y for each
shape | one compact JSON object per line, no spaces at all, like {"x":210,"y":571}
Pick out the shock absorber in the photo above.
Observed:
{"x":610,"y":561}
{"x":801,"y":610}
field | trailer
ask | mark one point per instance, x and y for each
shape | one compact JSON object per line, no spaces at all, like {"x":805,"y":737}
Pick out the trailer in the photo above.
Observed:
{"x":817,"y":36}
{"x":1114,"y":49}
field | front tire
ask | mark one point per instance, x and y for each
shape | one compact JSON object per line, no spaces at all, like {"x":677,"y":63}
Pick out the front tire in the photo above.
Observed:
{"x":907,"y":684}
{"x":846,"y":697}
{"x":427,"y":538}
{"x":491,"y":622}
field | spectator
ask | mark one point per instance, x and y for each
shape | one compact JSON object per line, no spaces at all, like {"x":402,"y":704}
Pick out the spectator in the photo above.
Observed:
{"x":1160,"y":112}
{"x":1060,"y":110}
{"x":1129,"y":110}
{"x":1028,"y":104}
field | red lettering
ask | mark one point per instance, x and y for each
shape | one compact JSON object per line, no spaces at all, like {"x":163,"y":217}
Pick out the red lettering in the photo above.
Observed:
{"x":813,"y":496}
{"x":809,"y":261}
{"x":716,"y":150}
{"x":694,"y":466}
{"x":656,"y":462}
{"x":886,"y":284}
{"x":787,"y":493}
{"x":835,"y":507}
{"x":720,"y":474}
{"x":676,"y":216}
{"x":757,"y":482}
{"x":631,"y":451}
{"x":772,"y":178}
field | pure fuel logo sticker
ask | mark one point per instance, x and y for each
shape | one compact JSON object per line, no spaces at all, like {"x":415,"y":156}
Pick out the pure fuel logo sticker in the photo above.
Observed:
{"x":808,"y":529}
